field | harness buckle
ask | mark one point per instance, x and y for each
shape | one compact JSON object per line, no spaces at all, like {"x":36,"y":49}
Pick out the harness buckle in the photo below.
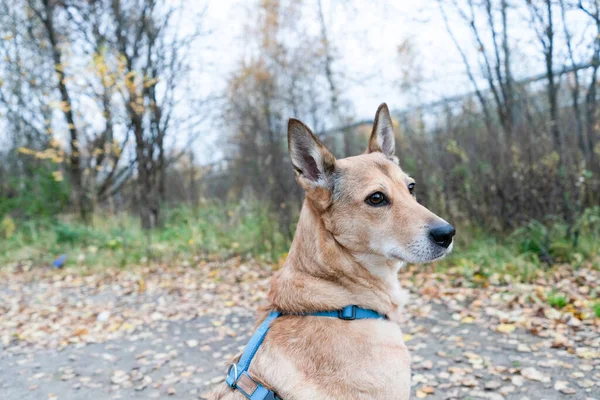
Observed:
{"x":347,"y":313}
{"x":233,"y":382}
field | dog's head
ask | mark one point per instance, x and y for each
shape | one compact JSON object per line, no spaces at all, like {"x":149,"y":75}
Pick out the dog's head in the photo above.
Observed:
{"x":367,"y":202}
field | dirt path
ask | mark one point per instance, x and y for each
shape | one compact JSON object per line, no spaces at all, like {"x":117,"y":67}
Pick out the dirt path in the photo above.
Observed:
{"x":172,"y":340}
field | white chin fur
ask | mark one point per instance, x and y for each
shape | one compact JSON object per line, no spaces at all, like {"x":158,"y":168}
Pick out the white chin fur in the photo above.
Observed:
{"x":421,"y":251}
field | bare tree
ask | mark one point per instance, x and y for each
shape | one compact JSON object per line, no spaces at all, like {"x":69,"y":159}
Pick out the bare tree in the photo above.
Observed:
{"x":576,"y":86}
{"x":147,"y":39}
{"x":46,"y":11}
{"x":591,"y":101}
{"x":495,"y":63}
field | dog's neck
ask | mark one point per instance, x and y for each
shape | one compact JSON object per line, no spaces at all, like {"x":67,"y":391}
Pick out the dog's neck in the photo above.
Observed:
{"x":320,"y":274}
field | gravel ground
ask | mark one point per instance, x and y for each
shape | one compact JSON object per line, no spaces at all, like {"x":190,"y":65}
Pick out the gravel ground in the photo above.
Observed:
{"x":160,"y":349}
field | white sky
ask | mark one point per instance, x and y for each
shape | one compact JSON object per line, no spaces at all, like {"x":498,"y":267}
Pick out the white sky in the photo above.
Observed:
{"x":366,"y":37}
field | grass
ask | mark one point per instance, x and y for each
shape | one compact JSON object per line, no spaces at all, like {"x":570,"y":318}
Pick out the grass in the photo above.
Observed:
{"x":219,"y":231}
{"x":557,"y":300}
{"x":209,"y":232}
{"x":487,"y":258}
{"x":597,"y":310}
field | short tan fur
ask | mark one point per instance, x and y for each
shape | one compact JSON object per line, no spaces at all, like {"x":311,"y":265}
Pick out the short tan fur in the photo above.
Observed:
{"x":358,"y":226}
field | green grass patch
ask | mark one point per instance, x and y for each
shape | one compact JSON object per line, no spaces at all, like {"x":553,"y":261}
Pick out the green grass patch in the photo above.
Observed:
{"x":219,"y":231}
{"x":484,"y":257}
{"x":212,"y":231}
{"x":597,"y":310}
{"x":557,"y":300}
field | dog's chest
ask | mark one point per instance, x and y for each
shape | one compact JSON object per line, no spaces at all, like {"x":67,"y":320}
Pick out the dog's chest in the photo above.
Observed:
{"x":333,"y":359}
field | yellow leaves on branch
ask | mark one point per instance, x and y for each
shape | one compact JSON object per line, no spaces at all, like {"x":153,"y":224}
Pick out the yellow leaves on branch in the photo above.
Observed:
{"x":7,"y":227}
{"x":116,"y":148}
{"x":55,"y":155}
{"x":60,"y":105}
{"x":58,"y":176}
{"x":150,"y":82}
{"x":137,"y":106}
{"x":453,"y":148}
{"x":111,"y":69}
{"x":24,"y":150}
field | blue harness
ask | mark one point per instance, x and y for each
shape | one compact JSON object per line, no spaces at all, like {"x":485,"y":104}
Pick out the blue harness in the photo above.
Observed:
{"x":237,"y":375}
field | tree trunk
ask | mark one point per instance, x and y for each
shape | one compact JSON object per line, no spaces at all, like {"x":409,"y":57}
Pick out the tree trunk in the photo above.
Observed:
{"x":82,"y":203}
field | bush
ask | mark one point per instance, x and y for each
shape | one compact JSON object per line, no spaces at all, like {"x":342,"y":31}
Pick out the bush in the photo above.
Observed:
{"x":483,"y":255}
{"x":42,"y":195}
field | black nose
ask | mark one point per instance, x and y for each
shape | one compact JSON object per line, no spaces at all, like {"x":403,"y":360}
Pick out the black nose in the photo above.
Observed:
{"x":442,"y":234}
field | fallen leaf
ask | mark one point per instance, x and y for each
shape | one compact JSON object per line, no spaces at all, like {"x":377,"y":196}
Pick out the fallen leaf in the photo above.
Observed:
{"x":506,"y":328}
{"x":534,"y":375}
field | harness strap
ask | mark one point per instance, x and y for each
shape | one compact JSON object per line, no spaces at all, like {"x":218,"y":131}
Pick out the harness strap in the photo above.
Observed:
{"x":350,"y":313}
{"x":237,"y":375}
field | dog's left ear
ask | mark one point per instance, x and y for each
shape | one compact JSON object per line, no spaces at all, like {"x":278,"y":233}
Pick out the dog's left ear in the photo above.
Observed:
{"x":382,"y":136}
{"x":313,"y":163}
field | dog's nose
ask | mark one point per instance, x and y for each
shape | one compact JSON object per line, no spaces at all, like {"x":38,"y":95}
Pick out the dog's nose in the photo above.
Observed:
{"x":442,"y":234}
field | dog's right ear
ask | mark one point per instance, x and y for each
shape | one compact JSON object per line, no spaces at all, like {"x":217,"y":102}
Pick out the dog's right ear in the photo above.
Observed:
{"x":313,"y":163}
{"x":382,"y":137}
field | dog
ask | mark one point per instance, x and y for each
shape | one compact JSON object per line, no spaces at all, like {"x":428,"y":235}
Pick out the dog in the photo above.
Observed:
{"x":359,"y":224}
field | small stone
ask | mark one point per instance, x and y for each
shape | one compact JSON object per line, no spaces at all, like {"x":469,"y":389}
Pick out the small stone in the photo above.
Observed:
{"x":119,"y":377}
{"x":523,"y":348}
{"x":534,"y":375}
{"x":563,"y":387}
{"x":506,"y":390}
{"x":492,"y":385}
{"x":428,"y":389}
{"x":517,"y":380}
{"x":103,"y":316}
{"x":427,"y":364}
{"x":585,"y":384}
{"x":469,"y":381}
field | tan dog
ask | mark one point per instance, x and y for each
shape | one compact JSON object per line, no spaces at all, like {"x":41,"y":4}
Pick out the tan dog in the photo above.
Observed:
{"x":359,"y":224}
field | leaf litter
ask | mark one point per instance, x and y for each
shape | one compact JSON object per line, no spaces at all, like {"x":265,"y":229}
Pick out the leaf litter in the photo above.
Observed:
{"x":466,"y":339}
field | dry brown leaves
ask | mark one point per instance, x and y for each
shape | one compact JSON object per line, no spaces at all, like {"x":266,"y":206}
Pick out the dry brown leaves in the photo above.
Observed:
{"x":50,"y":308}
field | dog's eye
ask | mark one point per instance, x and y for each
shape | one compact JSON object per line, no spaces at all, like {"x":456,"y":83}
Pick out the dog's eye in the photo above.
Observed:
{"x":377,"y":199}
{"x":411,"y":187}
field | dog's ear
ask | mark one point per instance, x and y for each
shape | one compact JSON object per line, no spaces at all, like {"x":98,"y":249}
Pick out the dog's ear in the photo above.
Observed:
{"x":313,"y":163}
{"x":382,"y":136}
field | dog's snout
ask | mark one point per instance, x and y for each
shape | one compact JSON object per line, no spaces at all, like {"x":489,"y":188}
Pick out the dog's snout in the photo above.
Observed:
{"x":442,"y":234}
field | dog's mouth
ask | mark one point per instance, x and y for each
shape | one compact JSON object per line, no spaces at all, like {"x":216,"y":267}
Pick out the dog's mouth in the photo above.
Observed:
{"x":422,"y":254}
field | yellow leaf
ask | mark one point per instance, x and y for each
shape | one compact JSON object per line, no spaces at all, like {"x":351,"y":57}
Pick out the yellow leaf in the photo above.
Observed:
{"x":114,"y":327}
{"x":141,"y":285}
{"x":58,"y":176}
{"x":467,"y":320}
{"x":80,"y":332}
{"x":506,"y":328}
{"x":8,"y":227}
{"x":407,"y":337}
{"x":127,"y":327}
